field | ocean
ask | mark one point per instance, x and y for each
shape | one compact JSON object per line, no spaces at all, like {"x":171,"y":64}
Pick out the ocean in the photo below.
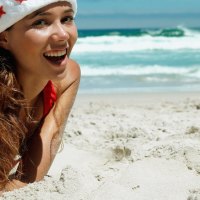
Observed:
{"x":139,"y":60}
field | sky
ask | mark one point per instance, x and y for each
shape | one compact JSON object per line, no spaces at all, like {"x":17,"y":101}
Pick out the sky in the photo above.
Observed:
{"x":100,"y":14}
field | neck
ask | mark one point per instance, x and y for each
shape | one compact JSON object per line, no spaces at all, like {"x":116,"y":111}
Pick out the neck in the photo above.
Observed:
{"x":31,"y":85}
{"x":31,"y":88}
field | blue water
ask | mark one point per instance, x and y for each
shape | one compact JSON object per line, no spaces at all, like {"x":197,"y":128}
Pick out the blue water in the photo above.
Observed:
{"x":143,"y":60}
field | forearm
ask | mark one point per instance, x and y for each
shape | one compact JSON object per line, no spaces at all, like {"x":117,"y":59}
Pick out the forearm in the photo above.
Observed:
{"x":12,"y":185}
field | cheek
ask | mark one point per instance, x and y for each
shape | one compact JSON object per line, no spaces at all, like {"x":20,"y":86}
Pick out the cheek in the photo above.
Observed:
{"x":33,"y":42}
{"x":27,"y":45}
{"x":22,"y":52}
{"x":73,"y":33}
{"x":74,"y":36}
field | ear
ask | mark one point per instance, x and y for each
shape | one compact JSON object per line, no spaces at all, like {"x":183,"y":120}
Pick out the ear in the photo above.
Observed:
{"x":4,"y":40}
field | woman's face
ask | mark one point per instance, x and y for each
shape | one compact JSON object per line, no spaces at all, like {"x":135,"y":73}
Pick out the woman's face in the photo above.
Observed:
{"x":42,"y":41}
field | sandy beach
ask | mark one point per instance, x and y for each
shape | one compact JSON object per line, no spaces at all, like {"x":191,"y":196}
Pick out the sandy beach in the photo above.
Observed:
{"x":141,"y":146}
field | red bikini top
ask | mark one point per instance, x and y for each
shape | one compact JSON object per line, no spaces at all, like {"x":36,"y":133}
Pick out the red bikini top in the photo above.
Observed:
{"x":49,"y":97}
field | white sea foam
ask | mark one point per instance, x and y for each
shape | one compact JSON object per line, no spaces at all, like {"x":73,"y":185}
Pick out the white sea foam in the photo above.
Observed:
{"x":129,"y":44}
{"x":193,"y":71}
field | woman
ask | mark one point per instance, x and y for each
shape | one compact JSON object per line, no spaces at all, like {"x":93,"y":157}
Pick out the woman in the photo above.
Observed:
{"x":38,"y":85}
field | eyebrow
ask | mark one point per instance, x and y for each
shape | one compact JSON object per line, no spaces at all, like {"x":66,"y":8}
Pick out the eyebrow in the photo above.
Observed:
{"x":43,"y":13}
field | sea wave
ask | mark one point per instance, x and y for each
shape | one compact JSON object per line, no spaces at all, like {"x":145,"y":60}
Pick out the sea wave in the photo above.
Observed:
{"x":154,"y":40}
{"x":192,"y":71}
{"x":179,"y":31}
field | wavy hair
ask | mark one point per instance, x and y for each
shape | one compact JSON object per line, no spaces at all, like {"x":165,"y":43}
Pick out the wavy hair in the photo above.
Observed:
{"x":12,"y":129}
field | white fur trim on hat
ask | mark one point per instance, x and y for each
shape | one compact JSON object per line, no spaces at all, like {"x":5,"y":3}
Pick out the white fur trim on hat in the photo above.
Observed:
{"x":11,"y":11}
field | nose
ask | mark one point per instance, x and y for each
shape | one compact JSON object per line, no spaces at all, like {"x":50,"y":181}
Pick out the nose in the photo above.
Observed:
{"x":59,"y":33}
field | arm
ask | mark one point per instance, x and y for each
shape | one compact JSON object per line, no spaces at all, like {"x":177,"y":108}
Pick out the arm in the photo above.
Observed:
{"x":43,"y":146}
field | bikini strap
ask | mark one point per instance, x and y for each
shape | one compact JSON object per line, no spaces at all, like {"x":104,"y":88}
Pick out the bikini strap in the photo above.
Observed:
{"x":49,"y":97}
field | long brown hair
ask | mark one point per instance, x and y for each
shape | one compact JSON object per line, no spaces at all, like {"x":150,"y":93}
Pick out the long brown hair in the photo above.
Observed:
{"x":12,"y":130}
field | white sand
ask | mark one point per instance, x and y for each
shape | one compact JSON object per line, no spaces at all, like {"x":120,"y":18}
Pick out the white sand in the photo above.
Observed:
{"x":125,"y":147}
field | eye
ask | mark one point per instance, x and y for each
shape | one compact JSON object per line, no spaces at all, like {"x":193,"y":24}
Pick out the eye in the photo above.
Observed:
{"x":40,"y":23}
{"x":67,"y":19}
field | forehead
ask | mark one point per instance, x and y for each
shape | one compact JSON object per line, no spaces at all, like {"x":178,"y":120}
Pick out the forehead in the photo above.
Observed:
{"x":64,"y":5}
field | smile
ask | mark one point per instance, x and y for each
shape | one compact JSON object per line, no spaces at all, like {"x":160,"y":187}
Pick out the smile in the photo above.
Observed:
{"x":56,"y":57}
{"x":56,"y":54}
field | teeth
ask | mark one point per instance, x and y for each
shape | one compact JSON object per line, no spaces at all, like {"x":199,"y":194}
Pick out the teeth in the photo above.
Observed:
{"x":56,"y":54}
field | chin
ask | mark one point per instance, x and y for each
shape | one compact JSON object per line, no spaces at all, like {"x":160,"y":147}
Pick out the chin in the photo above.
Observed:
{"x":60,"y":76}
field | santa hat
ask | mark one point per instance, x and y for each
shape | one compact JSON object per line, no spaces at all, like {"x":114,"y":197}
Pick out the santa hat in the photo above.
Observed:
{"x":11,"y":11}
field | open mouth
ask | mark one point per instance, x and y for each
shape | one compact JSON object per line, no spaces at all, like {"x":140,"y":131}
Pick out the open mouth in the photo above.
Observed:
{"x":56,"y":57}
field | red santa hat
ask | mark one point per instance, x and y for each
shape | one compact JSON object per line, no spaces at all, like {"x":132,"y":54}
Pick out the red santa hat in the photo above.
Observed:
{"x":11,"y":11}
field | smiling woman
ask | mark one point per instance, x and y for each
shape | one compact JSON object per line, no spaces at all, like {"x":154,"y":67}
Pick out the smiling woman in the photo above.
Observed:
{"x":38,"y":85}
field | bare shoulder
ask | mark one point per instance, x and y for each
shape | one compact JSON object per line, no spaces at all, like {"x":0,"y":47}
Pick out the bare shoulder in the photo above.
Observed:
{"x":72,"y":77}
